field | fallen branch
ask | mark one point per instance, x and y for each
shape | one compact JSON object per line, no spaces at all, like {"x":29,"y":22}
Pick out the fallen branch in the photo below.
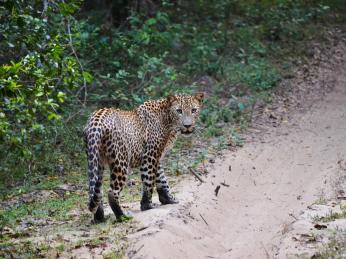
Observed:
{"x":224,"y":184}
{"x":217,"y":190}
{"x":204,"y":219}
{"x":142,"y":228}
{"x":136,"y":251}
{"x":196,"y":175}
{"x":292,"y":215}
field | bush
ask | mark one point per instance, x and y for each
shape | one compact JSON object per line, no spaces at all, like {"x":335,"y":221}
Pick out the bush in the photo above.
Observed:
{"x":37,"y":75}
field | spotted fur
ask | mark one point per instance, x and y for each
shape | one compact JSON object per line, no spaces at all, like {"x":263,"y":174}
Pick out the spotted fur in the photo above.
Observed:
{"x":138,"y":138}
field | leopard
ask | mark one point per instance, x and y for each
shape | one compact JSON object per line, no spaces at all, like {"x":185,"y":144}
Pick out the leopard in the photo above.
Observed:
{"x":139,"y":138}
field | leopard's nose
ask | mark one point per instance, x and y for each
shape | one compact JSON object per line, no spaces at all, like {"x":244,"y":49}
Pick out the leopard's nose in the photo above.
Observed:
{"x":187,"y":122}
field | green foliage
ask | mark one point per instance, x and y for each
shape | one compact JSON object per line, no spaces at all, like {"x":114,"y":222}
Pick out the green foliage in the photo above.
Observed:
{"x":279,"y":20}
{"x":37,"y":74}
{"x":51,"y":50}
{"x":256,"y":73}
{"x":138,"y":58}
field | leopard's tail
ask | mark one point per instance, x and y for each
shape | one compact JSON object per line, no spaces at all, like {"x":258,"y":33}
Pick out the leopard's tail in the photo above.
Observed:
{"x":92,"y":141}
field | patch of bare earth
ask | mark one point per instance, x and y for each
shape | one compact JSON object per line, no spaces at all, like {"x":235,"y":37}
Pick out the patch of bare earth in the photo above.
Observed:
{"x":249,"y":203}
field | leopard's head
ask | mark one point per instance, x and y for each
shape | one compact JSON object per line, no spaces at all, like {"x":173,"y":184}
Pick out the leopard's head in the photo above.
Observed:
{"x":184,"y":111}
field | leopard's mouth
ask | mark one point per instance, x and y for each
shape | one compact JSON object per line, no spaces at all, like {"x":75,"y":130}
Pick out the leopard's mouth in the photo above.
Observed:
{"x":187,"y":132}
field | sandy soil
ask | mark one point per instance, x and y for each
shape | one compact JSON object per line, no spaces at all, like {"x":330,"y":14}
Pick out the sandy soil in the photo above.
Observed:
{"x":263,"y":186}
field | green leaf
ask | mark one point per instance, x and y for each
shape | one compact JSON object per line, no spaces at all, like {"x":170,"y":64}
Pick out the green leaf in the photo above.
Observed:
{"x":68,"y":8}
{"x":39,"y":94}
{"x":241,"y":106}
{"x":151,"y":21}
{"x":61,"y":96}
{"x":87,"y":77}
{"x":53,"y":116}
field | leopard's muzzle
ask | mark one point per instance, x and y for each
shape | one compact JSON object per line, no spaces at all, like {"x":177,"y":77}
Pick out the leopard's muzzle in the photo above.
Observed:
{"x":187,"y":129}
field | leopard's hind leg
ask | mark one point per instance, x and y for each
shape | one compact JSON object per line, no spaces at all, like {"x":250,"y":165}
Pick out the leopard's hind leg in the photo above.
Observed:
{"x":119,"y":170}
{"x":95,"y":172}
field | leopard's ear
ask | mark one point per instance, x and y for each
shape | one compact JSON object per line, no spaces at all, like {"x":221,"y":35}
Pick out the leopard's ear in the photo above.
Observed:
{"x":171,"y":98}
{"x":199,"y":97}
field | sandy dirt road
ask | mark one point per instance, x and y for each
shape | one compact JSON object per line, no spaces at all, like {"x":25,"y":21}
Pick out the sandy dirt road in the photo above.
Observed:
{"x":272,"y":178}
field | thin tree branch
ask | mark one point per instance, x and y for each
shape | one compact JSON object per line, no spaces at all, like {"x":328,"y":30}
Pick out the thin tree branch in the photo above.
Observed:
{"x":78,"y":61}
{"x":45,"y":7}
{"x":73,"y":115}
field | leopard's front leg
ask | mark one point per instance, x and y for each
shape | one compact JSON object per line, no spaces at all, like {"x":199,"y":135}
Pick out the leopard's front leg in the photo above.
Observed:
{"x":151,"y":174}
{"x":163,"y":189}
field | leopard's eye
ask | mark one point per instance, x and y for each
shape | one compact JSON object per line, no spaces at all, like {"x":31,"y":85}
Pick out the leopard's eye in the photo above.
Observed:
{"x":194,"y":110}
{"x":180,"y":111}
